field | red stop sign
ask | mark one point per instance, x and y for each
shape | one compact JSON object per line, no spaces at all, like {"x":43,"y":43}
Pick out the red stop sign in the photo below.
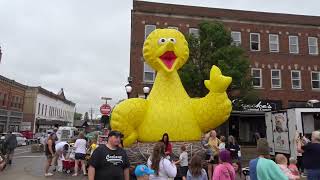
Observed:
{"x":105,"y":109}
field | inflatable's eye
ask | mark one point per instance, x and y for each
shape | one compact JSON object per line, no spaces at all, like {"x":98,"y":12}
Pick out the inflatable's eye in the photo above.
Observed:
{"x":173,"y":40}
{"x":162,"y":41}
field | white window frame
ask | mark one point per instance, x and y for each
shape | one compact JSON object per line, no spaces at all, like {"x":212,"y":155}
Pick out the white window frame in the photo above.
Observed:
{"x":173,"y":27}
{"x":297,"y":44}
{"x":272,"y":78}
{"x":236,"y":42}
{"x":316,"y":45}
{"x":253,"y":69}
{"x":259,"y":41}
{"x":151,"y":71}
{"x":145,"y":29}
{"x":275,"y":42}
{"x":300,"y":87}
{"x":197,"y":34}
{"x":315,"y":80}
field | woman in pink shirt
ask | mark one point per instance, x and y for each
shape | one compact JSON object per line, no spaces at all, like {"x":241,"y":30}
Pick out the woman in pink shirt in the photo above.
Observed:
{"x":224,"y":171}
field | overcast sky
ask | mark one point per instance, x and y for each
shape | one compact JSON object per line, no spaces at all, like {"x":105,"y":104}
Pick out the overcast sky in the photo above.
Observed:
{"x":83,"y":46}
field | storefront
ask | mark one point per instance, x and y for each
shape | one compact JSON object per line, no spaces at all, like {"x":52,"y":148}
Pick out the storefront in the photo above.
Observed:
{"x":10,"y":120}
{"x":248,"y":123}
{"x":44,"y":124}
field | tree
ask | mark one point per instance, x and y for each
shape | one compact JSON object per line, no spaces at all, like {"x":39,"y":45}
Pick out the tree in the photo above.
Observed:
{"x":86,"y":116}
{"x":214,"y":47}
{"x":77,"y":116}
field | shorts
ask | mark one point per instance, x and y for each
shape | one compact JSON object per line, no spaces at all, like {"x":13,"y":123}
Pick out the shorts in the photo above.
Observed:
{"x":215,"y":160}
{"x":10,"y":151}
{"x":80,"y":156}
{"x":184,"y":171}
{"x":49,"y":156}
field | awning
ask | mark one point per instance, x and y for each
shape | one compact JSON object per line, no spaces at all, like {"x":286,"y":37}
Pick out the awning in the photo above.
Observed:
{"x":248,"y":113}
{"x":51,"y":122}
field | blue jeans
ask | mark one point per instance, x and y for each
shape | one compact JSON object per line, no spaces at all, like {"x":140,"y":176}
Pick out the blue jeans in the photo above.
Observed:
{"x":313,"y":174}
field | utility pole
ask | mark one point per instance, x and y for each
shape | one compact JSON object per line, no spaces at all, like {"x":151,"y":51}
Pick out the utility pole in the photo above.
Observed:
{"x":91,"y":112}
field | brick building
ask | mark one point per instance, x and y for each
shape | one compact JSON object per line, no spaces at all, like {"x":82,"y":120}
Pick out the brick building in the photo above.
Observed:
{"x":283,"y":50}
{"x":32,"y":108}
{"x":11,"y":104}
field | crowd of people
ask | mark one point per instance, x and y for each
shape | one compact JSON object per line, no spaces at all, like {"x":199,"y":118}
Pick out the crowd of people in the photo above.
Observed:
{"x":222,"y":159}
{"x":77,"y":151}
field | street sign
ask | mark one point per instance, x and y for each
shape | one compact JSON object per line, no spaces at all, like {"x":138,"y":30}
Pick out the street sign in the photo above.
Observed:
{"x":105,"y":109}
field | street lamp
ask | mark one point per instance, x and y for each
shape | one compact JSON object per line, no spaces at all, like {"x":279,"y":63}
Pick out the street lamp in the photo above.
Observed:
{"x":128,"y":90}
{"x":146,"y":91}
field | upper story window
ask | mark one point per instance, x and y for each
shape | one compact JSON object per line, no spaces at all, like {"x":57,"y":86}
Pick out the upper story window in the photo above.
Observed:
{"x":148,"y":73}
{"x":296,"y":79}
{"x":313,"y":45}
{"x":1,"y":99}
{"x":236,"y":38}
{"x":275,"y":78}
{"x":254,"y":41}
{"x":256,"y":75}
{"x":39,"y":108}
{"x":42,"y":109}
{"x":148,"y":29}
{"x":293,"y":44}
{"x":194,"y":32}
{"x":274,"y":42}
{"x":315,"y":80}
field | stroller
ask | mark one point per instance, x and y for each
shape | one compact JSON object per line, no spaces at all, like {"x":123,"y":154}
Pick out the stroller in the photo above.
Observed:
{"x":68,"y":165}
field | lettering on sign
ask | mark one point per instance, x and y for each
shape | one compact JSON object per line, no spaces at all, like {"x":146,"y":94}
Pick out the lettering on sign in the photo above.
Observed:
{"x":257,"y":107}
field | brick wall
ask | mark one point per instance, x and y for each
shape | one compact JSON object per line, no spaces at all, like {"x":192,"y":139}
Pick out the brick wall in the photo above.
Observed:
{"x":185,"y":17}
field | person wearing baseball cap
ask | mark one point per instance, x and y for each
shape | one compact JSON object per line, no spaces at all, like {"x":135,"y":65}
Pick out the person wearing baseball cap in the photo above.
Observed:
{"x":109,"y":161}
{"x":142,"y":172}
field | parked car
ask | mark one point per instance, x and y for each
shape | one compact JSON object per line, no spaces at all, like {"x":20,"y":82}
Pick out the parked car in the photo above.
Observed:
{"x":21,"y":140}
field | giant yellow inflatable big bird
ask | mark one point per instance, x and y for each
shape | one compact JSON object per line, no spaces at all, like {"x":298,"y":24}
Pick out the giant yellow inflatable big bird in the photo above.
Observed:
{"x":168,"y":108}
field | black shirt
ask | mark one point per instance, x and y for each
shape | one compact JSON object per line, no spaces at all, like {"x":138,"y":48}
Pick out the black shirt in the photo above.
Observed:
{"x":311,"y":156}
{"x":234,"y":149}
{"x":109,"y":164}
{"x":47,"y":151}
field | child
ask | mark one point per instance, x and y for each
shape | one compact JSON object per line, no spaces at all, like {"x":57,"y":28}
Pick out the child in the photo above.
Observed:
{"x":142,"y":172}
{"x":293,"y":166}
{"x":282,"y":161}
{"x":222,"y":144}
{"x":93,"y":145}
{"x":224,"y":171}
{"x":183,"y":161}
{"x":237,"y":168}
{"x":196,"y":172}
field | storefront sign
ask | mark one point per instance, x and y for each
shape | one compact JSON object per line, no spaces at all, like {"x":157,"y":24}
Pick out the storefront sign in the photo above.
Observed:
{"x":257,"y":107}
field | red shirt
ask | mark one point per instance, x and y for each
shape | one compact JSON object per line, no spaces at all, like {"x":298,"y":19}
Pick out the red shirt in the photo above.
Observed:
{"x":168,"y":150}
{"x":294,"y":170}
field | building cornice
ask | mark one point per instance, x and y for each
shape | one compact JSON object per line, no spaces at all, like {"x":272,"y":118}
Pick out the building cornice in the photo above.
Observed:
{"x":228,"y":15}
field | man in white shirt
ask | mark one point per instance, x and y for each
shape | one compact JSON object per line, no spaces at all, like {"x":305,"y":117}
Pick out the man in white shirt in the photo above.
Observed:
{"x":61,"y":152}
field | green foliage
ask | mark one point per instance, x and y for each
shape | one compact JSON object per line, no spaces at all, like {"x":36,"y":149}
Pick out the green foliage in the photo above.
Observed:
{"x":214,"y":47}
{"x":86,"y":116}
{"x":77,"y":116}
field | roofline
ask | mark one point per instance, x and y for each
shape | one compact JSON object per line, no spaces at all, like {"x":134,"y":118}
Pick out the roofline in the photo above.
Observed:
{"x":49,"y":93}
{"x":13,"y":82}
{"x":242,"y":15}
